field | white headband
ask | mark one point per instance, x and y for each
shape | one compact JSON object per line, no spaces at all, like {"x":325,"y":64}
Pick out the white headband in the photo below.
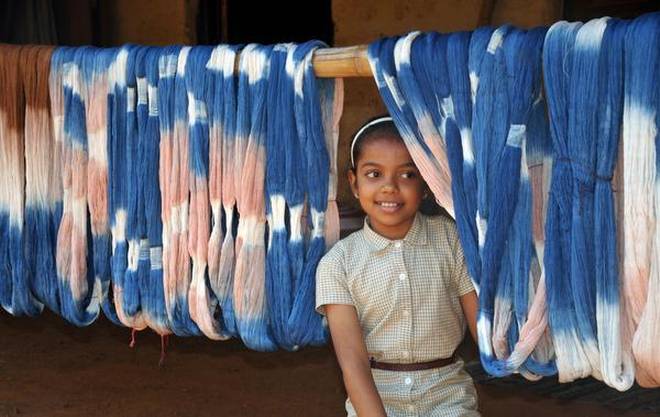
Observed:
{"x":361,"y":131}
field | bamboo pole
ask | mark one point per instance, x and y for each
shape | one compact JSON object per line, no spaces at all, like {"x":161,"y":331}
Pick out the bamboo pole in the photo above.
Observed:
{"x":350,"y":61}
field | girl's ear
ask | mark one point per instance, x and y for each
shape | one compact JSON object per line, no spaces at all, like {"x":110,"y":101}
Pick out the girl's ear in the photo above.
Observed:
{"x":352,"y":181}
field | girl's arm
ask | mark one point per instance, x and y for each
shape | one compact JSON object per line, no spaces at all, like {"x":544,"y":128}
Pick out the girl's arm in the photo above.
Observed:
{"x":353,"y":359}
{"x":470,"y":305}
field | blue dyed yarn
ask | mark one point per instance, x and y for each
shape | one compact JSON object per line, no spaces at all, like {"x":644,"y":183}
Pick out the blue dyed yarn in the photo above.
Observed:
{"x":458,"y":48}
{"x":294,"y":192}
{"x":131,"y":300}
{"x":537,"y":152}
{"x":523,"y":63}
{"x":416,"y":94}
{"x":116,"y":172}
{"x":616,"y":360}
{"x":436,"y":70}
{"x":381,"y":59}
{"x":251,"y":126}
{"x":198,"y":82}
{"x":142,"y":117}
{"x":16,"y":295}
{"x":41,"y":222}
{"x":582,"y":128}
{"x":442,"y":76}
{"x":476,"y":53}
{"x":281,"y":139}
{"x":153,"y":300}
{"x":98,"y":67}
{"x":167,"y":99}
{"x":84,"y":311}
{"x":489,"y":132}
{"x":180,"y":310}
{"x":222,"y":115}
{"x":381,"y":52}
{"x":572,"y":362}
{"x":305,"y":324}
{"x":123,"y":188}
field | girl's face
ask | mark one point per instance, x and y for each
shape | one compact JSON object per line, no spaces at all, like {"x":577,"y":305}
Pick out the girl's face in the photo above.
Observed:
{"x":388,"y":185}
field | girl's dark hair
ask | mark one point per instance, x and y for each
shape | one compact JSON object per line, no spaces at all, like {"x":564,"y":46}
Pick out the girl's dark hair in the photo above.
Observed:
{"x":378,"y":126}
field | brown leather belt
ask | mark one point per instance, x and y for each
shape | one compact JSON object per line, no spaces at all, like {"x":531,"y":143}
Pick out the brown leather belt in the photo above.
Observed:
{"x":410,"y":367}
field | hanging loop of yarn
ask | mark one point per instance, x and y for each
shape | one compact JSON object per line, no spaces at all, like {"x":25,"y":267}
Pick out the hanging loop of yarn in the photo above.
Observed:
{"x":305,"y":324}
{"x":250,"y":298}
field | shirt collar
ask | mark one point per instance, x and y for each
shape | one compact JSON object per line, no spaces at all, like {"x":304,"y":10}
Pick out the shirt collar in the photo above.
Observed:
{"x":417,"y":235}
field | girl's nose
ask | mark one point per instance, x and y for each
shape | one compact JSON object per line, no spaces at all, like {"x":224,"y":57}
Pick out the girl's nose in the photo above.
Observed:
{"x":390,"y":186}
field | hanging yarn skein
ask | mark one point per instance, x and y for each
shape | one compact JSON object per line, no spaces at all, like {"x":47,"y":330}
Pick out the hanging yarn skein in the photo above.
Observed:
{"x":294,"y":180}
{"x":97,"y":63}
{"x":132,"y":298}
{"x":572,"y":359}
{"x":641,"y":176}
{"x":465,"y":185}
{"x":201,"y":299}
{"x":432,"y":162}
{"x":580,"y":141}
{"x":616,"y":361}
{"x":488,"y":100}
{"x":173,"y":173}
{"x":532,"y":309}
{"x":419,"y":89}
{"x":41,"y":211}
{"x":222,"y":179}
{"x":141,"y":118}
{"x":249,"y":276}
{"x":80,"y":292}
{"x":16,"y":294}
{"x":153,"y":301}
{"x":282,"y":193}
{"x":518,"y":279}
{"x":150,"y":269}
{"x":304,"y":323}
{"x":180,"y":182}
{"x":122,"y":185}
{"x":59,"y":57}
{"x":332,"y":92}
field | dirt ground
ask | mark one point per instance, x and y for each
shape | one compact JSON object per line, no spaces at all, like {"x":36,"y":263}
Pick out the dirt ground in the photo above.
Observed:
{"x":50,"y":368}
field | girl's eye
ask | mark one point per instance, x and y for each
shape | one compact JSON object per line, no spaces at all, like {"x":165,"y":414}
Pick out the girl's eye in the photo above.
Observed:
{"x":409,"y":174}
{"x":372,"y":174}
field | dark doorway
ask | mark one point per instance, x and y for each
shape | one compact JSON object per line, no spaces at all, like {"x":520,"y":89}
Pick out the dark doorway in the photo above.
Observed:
{"x":240,"y":21}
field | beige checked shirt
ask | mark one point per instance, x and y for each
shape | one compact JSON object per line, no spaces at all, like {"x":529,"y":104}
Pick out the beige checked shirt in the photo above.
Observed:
{"x":406,"y":293}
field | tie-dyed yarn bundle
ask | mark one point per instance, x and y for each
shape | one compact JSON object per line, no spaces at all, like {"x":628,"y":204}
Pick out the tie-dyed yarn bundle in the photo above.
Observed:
{"x":532,"y":196}
{"x":134,"y":184}
{"x":192,"y":189}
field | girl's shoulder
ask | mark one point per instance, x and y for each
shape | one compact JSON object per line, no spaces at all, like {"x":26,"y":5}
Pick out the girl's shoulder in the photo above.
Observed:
{"x":342,"y":250}
{"x":439,"y":221}
{"x":440,"y":227}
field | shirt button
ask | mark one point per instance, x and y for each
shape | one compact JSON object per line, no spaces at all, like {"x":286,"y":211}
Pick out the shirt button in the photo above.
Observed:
{"x":397,"y":245}
{"x":411,"y":408}
{"x":405,"y":353}
{"x":402,"y":277}
{"x":408,"y":381}
{"x":405,"y":313}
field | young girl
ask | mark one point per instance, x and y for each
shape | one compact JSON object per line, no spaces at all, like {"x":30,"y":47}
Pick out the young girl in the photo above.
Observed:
{"x":396,"y":294}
